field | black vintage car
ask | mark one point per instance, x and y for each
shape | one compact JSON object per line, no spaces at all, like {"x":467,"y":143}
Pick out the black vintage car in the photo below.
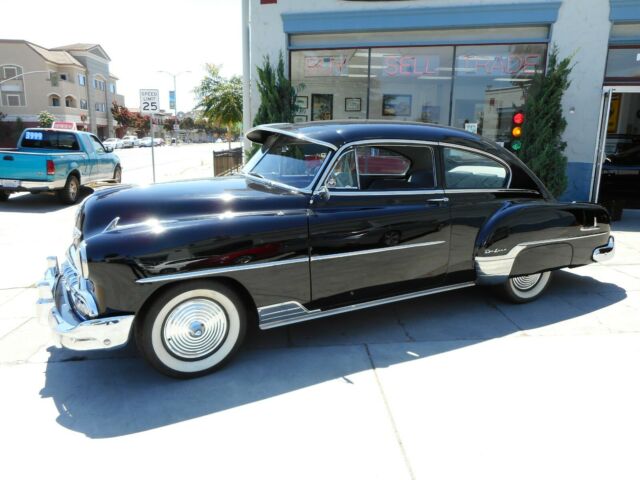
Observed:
{"x":325,"y":218}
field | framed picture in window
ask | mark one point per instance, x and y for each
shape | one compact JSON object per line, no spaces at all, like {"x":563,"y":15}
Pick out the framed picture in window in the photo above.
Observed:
{"x":396,"y":105}
{"x":299,"y":118}
{"x":352,"y":104}
{"x":302,"y":103}
{"x":321,"y":106}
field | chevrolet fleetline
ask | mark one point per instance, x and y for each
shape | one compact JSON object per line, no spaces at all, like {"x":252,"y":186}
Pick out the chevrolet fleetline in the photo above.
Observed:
{"x":325,"y":218}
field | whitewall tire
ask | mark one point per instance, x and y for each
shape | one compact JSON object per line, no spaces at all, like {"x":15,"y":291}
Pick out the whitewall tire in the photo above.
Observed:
{"x":526,"y":288}
{"x":192,"y":329}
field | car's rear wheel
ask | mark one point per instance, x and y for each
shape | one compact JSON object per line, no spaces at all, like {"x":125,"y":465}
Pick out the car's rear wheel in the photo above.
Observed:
{"x":4,"y":196}
{"x":192,"y":329}
{"x":117,"y":175}
{"x":69,"y":194}
{"x":525,"y":288}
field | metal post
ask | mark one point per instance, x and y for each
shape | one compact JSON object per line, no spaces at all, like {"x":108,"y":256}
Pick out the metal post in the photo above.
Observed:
{"x":213,"y":154}
{"x":175,"y":107}
{"x":153,"y":157}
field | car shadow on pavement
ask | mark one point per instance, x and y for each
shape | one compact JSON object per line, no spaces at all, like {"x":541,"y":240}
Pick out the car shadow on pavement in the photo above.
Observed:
{"x":630,"y":222}
{"x":105,"y":395}
{"x":39,"y":203}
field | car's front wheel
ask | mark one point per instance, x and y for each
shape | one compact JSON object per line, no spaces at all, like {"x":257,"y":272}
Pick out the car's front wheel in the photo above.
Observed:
{"x":4,"y":196}
{"x":525,"y":288}
{"x":192,"y":329}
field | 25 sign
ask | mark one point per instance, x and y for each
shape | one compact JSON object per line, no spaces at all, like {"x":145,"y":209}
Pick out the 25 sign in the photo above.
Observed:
{"x":149,"y":101}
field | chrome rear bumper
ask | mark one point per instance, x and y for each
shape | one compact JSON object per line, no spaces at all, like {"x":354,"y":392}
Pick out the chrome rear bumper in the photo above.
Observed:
{"x":604,"y":253}
{"x":73,"y":331}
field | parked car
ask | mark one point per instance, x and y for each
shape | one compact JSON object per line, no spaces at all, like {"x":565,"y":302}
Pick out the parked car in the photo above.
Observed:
{"x":58,"y":161}
{"x":130,"y":141}
{"x":158,"y":142}
{"x":392,"y":211}
{"x":146,"y":141}
{"x":113,"y":143}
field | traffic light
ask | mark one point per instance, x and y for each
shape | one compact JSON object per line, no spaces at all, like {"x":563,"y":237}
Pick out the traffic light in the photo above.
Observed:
{"x":516,"y":131}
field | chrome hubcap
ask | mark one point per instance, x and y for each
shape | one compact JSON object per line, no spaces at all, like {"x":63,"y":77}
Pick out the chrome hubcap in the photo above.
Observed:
{"x":195,"y":328}
{"x":526,"y":282}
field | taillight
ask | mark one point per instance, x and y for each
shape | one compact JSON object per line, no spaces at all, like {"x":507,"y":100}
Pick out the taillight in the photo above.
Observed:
{"x":51,"y":167}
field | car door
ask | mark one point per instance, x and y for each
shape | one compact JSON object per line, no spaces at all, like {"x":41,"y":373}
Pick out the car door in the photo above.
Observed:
{"x":379,"y":225}
{"x":102,"y":163}
{"x":477,"y":185}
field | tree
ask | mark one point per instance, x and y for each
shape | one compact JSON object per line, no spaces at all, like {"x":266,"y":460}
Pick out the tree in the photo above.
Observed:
{"x":542,"y":144}
{"x":221,"y":99}
{"x":187,"y":123}
{"x":277,"y":96}
{"x":45,"y":119}
{"x":122,"y":115}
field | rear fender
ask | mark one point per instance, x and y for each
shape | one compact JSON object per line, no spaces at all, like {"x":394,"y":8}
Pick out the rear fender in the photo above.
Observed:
{"x":532,"y":237}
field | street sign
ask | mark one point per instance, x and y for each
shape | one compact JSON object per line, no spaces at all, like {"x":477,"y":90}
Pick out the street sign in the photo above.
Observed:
{"x":172,"y":99}
{"x":149,"y":101}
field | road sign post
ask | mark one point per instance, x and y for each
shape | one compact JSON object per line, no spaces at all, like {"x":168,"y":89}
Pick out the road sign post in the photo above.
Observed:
{"x":150,"y":104}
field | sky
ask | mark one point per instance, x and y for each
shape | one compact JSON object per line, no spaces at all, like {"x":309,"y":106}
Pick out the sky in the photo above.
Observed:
{"x":141,"y":37}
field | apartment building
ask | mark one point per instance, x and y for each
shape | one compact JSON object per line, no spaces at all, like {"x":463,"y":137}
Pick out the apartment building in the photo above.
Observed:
{"x":72,"y":82}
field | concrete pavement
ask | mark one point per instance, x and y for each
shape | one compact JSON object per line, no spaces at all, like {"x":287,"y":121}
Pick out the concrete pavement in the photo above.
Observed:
{"x":458,"y":385}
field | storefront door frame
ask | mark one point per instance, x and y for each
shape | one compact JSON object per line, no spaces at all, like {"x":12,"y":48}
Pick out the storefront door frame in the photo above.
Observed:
{"x":599,"y":156}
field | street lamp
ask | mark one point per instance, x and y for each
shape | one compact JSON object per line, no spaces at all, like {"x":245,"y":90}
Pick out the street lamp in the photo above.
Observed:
{"x":17,"y":76}
{"x":175,"y":93}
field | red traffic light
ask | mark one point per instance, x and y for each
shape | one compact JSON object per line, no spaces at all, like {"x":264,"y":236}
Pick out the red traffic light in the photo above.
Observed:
{"x":518,"y":118}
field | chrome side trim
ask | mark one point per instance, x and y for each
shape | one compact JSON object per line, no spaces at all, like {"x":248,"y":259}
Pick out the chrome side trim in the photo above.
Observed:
{"x":375,"y":250}
{"x":382,"y":193}
{"x":498,"y":267}
{"x":602,"y":254}
{"x":491,"y":190}
{"x":288,"y":133}
{"x":483,"y":153}
{"x":217,"y":271}
{"x":287,"y":313}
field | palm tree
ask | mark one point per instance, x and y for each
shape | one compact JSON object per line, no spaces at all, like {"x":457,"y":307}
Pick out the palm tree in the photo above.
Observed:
{"x":221,"y":100}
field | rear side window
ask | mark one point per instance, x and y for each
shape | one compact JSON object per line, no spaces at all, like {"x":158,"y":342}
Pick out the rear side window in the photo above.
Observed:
{"x":469,"y":170}
{"x":385,"y":168}
{"x":50,"y":140}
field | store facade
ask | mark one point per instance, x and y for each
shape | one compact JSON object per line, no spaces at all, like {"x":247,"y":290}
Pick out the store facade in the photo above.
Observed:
{"x":465,"y":64}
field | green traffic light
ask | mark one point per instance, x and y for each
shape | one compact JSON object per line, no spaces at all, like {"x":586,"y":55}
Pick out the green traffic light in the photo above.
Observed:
{"x":516,"y":145}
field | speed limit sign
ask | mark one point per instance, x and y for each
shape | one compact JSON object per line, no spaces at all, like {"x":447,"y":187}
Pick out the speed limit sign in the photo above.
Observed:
{"x":149,"y":101}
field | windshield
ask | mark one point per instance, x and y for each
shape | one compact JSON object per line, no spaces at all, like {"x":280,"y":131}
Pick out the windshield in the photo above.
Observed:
{"x":287,"y":160}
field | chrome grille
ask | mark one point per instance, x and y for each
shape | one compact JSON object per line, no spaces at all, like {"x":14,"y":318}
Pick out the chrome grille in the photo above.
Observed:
{"x":77,"y":288}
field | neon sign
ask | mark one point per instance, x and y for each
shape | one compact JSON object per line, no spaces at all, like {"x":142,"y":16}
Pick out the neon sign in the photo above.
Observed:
{"x":410,"y":65}
{"x":325,"y":66}
{"x":496,"y":65}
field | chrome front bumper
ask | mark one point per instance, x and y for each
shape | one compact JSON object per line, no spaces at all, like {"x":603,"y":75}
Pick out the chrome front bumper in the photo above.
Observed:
{"x":73,"y":331}
{"x":604,"y":253}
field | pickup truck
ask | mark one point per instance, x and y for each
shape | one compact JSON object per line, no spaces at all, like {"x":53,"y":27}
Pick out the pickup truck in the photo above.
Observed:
{"x":58,"y":161}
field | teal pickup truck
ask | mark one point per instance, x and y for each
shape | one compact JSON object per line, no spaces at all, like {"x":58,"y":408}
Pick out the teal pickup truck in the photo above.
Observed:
{"x":58,"y":161}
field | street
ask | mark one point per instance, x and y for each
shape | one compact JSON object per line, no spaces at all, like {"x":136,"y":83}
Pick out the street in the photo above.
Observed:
{"x":459,"y":385}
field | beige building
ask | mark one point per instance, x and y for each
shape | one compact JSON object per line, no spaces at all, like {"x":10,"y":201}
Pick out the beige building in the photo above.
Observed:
{"x":72,"y":82}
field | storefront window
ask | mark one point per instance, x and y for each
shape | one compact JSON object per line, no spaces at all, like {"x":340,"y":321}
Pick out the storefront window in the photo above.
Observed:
{"x":623,"y":63}
{"x":411,"y":83}
{"x":490,"y":85}
{"x":330,"y":84}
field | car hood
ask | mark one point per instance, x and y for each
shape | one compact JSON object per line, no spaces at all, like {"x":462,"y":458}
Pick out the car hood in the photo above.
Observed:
{"x":125,"y":206}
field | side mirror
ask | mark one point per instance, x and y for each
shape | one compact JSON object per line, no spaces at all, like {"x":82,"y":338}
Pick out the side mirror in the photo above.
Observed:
{"x":108,"y":149}
{"x":324,"y":193}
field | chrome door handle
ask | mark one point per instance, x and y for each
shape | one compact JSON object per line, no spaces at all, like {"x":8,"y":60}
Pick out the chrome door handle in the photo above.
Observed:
{"x":438,"y":200}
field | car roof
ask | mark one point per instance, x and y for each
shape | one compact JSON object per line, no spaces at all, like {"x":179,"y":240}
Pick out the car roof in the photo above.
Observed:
{"x":337,"y":133}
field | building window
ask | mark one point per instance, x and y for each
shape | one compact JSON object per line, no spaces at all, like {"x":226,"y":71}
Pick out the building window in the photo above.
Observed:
{"x":99,"y":84}
{"x":12,"y":88}
{"x":411,"y":84}
{"x":623,"y":64}
{"x":101,"y":107}
{"x":13,"y":100}
{"x":112,"y":88}
{"x":83,"y":104}
{"x":490,"y":85}
{"x":82,"y":80}
{"x":70,"y":102}
{"x":330,"y":83}
{"x":63,"y":76}
{"x":9,"y":72}
{"x":476,"y":87}
{"x":54,"y":101}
